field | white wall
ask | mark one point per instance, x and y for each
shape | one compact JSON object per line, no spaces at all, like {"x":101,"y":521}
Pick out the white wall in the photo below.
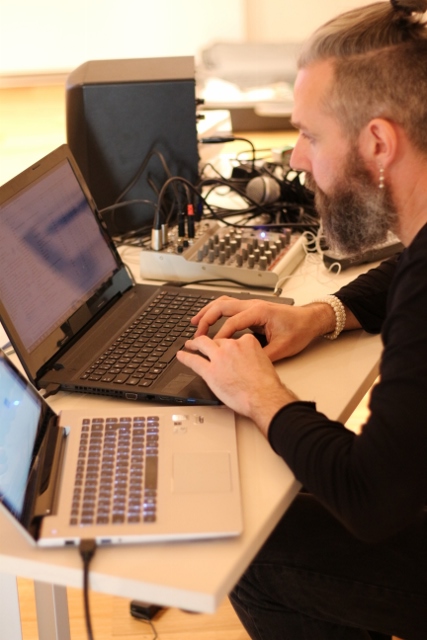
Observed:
{"x":292,"y":20}
{"x":38,"y":36}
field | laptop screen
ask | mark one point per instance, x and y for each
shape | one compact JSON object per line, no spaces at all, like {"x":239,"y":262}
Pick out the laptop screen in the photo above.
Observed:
{"x":20,"y":416}
{"x":53,"y":254}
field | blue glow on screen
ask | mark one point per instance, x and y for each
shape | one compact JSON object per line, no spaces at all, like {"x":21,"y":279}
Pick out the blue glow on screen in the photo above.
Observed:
{"x":19,"y":418}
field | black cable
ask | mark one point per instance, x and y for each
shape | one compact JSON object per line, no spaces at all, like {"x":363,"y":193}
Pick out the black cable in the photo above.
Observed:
{"x":131,"y":276}
{"x":301,"y":202}
{"x":87,"y":550}
{"x":132,"y":235}
{"x":255,"y":208}
{"x":298,"y":213}
{"x":266,"y":150}
{"x":125,"y":203}
{"x":184,"y":181}
{"x":141,"y":170}
{"x":150,"y":622}
{"x":118,"y":202}
{"x":217,"y":280}
{"x":221,"y":139}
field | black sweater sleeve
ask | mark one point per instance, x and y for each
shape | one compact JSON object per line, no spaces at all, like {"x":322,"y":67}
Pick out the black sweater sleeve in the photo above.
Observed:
{"x":374,"y":482}
{"x":367,"y":296}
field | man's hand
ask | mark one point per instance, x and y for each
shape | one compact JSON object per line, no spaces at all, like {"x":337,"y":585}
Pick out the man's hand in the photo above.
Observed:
{"x":287,"y":329}
{"x":240,"y":374}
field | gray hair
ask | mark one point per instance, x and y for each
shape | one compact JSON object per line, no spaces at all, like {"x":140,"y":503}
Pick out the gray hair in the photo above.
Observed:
{"x":368,"y":28}
{"x":379,"y":53}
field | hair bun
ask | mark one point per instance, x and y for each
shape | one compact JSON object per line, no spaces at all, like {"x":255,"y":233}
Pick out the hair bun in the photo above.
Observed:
{"x":409,"y":6}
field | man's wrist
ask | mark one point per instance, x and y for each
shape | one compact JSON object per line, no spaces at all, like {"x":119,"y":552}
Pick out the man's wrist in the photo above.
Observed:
{"x":339,"y":313}
{"x":323,"y":318}
{"x":263,"y":415}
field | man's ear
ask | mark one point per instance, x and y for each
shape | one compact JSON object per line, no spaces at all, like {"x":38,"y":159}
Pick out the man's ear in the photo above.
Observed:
{"x":378,"y":142}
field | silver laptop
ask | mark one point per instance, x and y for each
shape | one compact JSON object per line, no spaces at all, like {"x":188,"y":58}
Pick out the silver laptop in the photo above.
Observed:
{"x":146,"y":475}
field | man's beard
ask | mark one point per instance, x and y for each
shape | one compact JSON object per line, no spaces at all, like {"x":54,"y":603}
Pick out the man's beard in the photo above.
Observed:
{"x":357,"y":215}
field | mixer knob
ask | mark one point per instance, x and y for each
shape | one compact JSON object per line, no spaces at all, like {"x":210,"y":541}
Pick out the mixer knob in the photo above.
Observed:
{"x":263,"y":263}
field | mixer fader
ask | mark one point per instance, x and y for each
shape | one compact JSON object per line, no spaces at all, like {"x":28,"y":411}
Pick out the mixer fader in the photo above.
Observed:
{"x":251,"y":250}
{"x":250,"y":256}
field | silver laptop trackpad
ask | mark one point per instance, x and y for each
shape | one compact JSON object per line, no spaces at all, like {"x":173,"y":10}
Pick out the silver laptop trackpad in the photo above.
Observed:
{"x":201,"y":472}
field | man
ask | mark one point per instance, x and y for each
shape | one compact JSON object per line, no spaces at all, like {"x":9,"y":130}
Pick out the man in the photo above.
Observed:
{"x":349,"y":558}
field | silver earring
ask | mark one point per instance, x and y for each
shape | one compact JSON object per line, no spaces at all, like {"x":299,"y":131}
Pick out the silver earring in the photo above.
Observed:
{"x":381,"y":178}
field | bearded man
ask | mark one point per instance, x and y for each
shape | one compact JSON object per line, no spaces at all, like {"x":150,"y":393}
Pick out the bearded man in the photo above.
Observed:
{"x":349,"y":558}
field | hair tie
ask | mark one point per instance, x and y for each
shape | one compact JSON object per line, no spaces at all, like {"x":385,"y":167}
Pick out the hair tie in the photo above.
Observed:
{"x":407,"y":9}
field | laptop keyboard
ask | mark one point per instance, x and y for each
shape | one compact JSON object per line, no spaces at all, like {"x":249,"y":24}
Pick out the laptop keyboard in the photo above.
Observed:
{"x":145,"y":348}
{"x":116,"y":477}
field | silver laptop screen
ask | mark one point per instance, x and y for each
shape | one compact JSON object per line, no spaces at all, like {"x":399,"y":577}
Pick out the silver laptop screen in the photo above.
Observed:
{"x":20,"y":411}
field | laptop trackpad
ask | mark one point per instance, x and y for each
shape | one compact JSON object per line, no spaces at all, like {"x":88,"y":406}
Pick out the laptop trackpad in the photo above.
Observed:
{"x":201,"y":472}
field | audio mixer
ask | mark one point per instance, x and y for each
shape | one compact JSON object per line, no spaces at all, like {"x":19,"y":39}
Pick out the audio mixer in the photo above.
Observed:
{"x":249,"y":256}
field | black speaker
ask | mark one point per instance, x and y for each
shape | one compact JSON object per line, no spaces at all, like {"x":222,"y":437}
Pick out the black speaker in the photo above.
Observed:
{"x":120,"y":111}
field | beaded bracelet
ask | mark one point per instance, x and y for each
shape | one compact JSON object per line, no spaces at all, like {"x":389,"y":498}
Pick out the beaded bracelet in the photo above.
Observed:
{"x":340,"y":315}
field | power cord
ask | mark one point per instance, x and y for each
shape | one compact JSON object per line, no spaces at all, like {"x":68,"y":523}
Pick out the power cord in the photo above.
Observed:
{"x":87,"y":550}
{"x":146,"y":613}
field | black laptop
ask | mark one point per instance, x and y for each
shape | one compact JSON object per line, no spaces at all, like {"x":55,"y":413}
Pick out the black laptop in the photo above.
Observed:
{"x":72,"y":312}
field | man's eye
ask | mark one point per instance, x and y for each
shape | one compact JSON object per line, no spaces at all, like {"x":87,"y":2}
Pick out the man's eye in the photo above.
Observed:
{"x":310,"y":139}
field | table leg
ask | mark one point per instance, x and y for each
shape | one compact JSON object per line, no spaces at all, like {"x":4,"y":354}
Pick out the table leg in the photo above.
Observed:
{"x":52,"y":611}
{"x":10,"y":617}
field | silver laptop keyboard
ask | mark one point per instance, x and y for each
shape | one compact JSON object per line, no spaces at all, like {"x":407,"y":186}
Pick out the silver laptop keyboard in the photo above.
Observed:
{"x":142,"y":352}
{"x":116,"y":478}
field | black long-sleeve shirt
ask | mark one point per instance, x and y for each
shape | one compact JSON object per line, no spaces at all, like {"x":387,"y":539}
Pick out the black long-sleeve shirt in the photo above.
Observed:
{"x":374,"y":482}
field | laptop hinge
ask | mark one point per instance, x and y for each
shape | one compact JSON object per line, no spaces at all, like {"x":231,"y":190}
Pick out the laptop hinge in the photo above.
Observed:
{"x":45,"y":502}
{"x":51,"y":390}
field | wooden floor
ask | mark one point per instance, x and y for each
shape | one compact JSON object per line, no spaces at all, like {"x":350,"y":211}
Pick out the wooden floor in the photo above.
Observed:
{"x":32,"y":123}
{"x":111,"y":620}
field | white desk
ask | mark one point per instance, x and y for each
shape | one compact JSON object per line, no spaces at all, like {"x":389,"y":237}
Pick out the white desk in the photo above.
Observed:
{"x":196,"y":576}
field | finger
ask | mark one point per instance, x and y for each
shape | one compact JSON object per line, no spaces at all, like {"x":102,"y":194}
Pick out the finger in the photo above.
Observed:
{"x":220,"y":309}
{"x":239,"y":322}
{"x":204,"y":323}
{"x":218,"y":302}
{"x":193,"y":361}
{"x":195,"y":354}
{"x":198,"y":344}
{"x":274,"y":351}
{"x":203,"y":346}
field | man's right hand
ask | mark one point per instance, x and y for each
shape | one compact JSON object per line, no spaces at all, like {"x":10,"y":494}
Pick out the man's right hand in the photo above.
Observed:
{"x":287,"y":329}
